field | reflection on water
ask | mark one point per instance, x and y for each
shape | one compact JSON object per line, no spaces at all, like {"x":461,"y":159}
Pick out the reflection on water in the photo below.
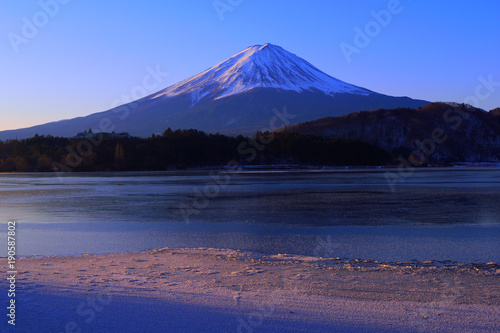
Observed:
{"x":436,"y":214}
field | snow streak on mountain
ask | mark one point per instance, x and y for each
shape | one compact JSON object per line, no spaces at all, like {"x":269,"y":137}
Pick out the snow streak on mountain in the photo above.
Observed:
{"x":259,"y":66}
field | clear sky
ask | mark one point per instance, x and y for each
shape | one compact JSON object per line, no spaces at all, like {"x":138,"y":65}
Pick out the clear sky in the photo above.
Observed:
{"x":83,"y":57}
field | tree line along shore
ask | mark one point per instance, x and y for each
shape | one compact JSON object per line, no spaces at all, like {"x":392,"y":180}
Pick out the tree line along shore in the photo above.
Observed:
{"x":181,"y":149}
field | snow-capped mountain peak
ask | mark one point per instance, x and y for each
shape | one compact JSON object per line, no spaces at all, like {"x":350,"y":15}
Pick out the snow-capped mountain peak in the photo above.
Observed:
{"x":259,"y":66}
{"x":236,"y":96}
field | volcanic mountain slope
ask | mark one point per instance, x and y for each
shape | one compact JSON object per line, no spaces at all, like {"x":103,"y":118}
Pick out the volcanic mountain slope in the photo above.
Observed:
{"x":236,"y":96}
{"x":448,"y":131}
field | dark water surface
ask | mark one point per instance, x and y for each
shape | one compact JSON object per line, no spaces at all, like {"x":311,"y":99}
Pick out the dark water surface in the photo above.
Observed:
{"x":438,"y":213}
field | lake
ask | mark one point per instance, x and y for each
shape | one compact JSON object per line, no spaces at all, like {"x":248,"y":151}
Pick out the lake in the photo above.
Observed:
{"x":436,"y":213}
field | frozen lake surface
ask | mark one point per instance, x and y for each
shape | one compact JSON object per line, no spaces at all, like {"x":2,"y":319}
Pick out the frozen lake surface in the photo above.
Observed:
{"x":436,"y":213}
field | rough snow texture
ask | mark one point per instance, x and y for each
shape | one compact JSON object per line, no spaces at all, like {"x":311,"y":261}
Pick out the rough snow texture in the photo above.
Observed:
{"x":216,"y":290}
{"x":259,"y":66}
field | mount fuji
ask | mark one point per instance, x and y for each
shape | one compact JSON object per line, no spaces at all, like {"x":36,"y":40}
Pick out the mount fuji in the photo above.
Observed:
{"x":236,"y":96}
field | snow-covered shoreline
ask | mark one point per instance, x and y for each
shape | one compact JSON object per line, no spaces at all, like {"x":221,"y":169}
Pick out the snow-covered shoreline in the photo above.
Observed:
{"x":220,"y":290}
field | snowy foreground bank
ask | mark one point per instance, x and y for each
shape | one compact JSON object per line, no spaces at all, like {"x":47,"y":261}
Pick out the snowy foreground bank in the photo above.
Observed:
{"x":214,"y":290}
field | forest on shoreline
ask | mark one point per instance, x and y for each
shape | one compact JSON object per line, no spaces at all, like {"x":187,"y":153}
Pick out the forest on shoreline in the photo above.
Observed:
{"x":181,"y":149}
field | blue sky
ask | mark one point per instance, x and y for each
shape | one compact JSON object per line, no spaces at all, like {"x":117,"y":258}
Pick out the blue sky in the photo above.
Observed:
{"x":87,"y":56}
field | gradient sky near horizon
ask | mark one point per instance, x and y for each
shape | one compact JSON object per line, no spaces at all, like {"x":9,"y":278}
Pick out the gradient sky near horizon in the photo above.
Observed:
{"x":88,"y":55}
